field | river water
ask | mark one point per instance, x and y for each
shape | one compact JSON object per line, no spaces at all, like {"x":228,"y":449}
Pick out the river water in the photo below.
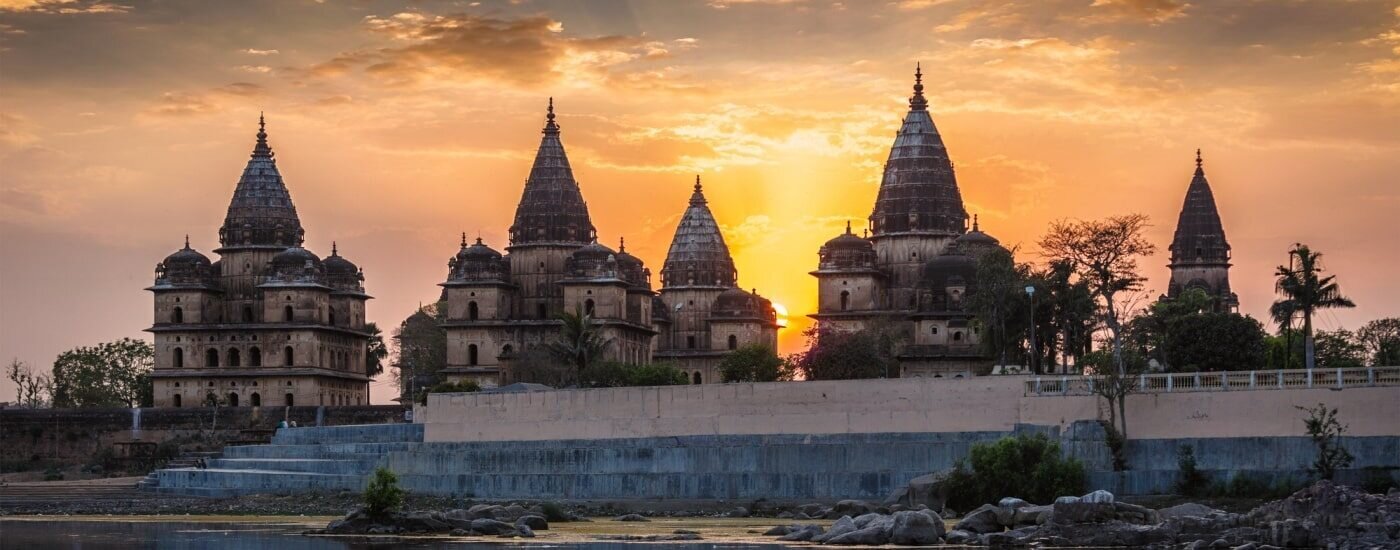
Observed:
{"x":116,"y":533}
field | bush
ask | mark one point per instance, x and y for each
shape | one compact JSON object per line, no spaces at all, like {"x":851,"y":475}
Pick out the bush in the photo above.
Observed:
{"x":464,"y":386}
{"x":1248,"y":486}
{"x":382,"y":494}
{"x":1027,"y":467}
{"x":613,"y":374}
{"x":1378,"y":480}
{"x":1190,"y":481}
{"x":53,"y":474}
{"x":754,"y":363}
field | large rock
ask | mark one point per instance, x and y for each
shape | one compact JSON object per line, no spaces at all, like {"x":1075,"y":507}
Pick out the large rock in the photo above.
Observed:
{"x":421,"y":522}
{"x":915,"y":529}
{"x":841,"y":527}
{"x":1016,"y":537}
{"x":1098,"y":496}
{"x":483,"y":511}
{"x":1006,"y":510}
{"x":631,"y":517}
{"x":981,"y":521}
{"x":1030,"y":515}
{"x":1189,"y":509}
{"x":779,"y":530}
{"x":874,"y":535}
{"x":958,"y":536}
{"x":802,"y":533}
{"x":1293,"y":533}
{"x":1113,"y":533}
{"x":930,"y":490}
{"x":851,"y":508}
{"x":1067,"y":513}
{"x":487,"y":526}
{"x":535,"y":523}
{"x":864,"y":519}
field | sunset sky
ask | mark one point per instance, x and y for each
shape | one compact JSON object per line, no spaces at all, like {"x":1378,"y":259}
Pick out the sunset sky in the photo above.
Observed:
{"x":124,"y":125}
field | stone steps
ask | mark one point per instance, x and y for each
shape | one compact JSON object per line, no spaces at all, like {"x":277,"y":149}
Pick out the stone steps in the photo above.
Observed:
{"x":346,"y":466}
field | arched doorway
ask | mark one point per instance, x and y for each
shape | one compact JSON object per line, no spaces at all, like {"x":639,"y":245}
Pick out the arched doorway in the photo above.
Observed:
{"x":234,"y":360}
{"x":255,"y":357}
{"x":177,"y":358}
{"x":255,"y":400}
{"x":177,"y":316}
{"x":176,"y":400}
{"x":697,"y":379}
{"x":211,"y":358}
{"x":232,"y":399}
{"x":471,"y":354}
{"x":287,"y":356}
{"x":291,"y":402}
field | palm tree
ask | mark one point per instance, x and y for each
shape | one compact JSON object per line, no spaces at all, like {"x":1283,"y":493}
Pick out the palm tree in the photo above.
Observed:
{"x":1306,"y":291}
{"x":376,"y":352}
{"x":580,"y":342}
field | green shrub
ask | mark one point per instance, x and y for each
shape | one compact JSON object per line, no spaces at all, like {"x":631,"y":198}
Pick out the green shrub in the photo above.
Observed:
{"x":53,"y":474}
{"x":382,"y":494}
{"x":1250,"y":486}
{"x":1190,"y":481}
{"x":1378,"y":480}
{"x":464,"y":386}
{"x":1027,"y":467}
{"x":614,"y":374}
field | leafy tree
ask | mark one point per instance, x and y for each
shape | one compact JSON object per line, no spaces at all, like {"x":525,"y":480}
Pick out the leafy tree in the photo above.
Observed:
{"x":615,"y":374}
{"x":1381,"y":339}
{"x":1284,"y":350}
{"x":1068,"y":325}
{"x":383,"y":495}
{"x":1150,"y":332}
{"x":847,"y":355}
{"x":1000,"y":302}
{"x":422,"y":350}
{"x":1339,"y":349}
{"x":754,"y":363}
{"x":1326,"y":432}
{"x":377,"y":351}
{"x":463,"y":386}
{"x":1029,"y":467}
{"x":1114,"y":386}
{"x":31,"y":390}
{"x":1104,"y":254}
{"x":1305,"y":292}
{"x":580,"y":342}
{"x":538,"y":366}
{"x":111,"y":374}
{"x":1214,"y":342}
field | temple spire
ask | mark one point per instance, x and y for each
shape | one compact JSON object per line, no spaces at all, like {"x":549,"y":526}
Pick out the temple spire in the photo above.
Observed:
{"x":698,"y":196}
{"x":551,"y":209}
{"x":917,"y":101}
{"x":848,"y":227}
{"x":334,"y":251}
{"x":1199,"y":171}
{"x":262,"y":149}
{"x":187,"y":241}
{"x":261,"y":213}
{"x":974,"y":223}
{"x":698,"y":255}
{"x":549,"y":126}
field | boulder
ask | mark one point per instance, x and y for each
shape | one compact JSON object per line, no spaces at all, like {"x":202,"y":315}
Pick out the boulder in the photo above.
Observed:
{"x":958,"y":536}
{"x":523,"y":531}
{"x":1030,"y":515}
{"x":980,"y":521}
{"x":420,"y":522}
{"x":864,"y":519}
{"x":509,"y":513}
{"x":802,"y":533}
{"x":929,"y":490}
{"x":915,"y":529}
{"x":851,"y":508}
{"x":1006,"y":510}
{"x":630,"y":517}
{"x":1066,"y":499}
{"x":487,"y":526}
{"x":1189,"y":509}
{"x":841,"y":527}
{"x":535,"y":523}
{"x":1068,"y":513}
{"x":1017,"y":537}
{"x":483,"y":511}
{"x":873,"y":535}
{"x":356,"y":522}
{"x":810,"y":510}
{"x":1112,"y":533}
{"x":1293,"y":533}
{"x":738,"y":512}
{"x":1012,"y":502}
{"x":786,"y":515}
{"x":1098,"y":496}
{"x":778,"y":531}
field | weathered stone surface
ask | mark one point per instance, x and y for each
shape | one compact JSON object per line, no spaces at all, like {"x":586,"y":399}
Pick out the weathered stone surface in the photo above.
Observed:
{"x":1017,"y":537}
{"x":1189,"y":509}
{"x":738,"y":512}
{"x":1066,"y":499}
{"x":864,"y":519}
{"x":778,"y":531}
{"x":930,"y":490}
{"x":802,"y":533}
{"x":915,"y":529}
{"x":1030,"y":515}
{"x":841,"y":527}
{"x":1067,"y":513}
{"x":523,"y":531}
{"x":488,"y":526}
{"x":851,"y":508}
{"x":631,"y":517}
{"x":873,"y":535}
{"x":1098,"y":496}
{"x":980,"y":521}
{"x":1114,"y":533}
{"x":536,"y":523}
{"x":959,"y":536}
{"x":1012,"y":502}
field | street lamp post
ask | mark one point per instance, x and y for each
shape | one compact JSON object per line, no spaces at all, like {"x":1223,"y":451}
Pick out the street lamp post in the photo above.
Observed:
{"x":1030,"y":291}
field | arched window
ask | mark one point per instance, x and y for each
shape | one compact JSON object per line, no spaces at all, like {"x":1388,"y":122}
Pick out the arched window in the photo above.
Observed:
{"x":690,"y":344}
{"x":471,"y":354}
{"x":506,"y":349}
{"x":233,"y":358}
{"x":733,"y":342}
{"x":845,"y":300}
{"x":232,"y":399}
{"x":211,"y":358}
{"x":696,"y":379}
{"x":176,"y":400}
{"x":330,"y":316}
{"x":255,"y":400}
{"x":471,"y":311}
{"x":289,"y":400}
{"x":287,"y":356}
{"x":957,"y":336}
{"x":539,"y":309}
{"x":177,"y":358}
{"x":177,"y":315}
{"x":588,"y":307}
{"x":935,"y":330}
{"x":247,"y":314}
{"x":255,"y":357}
{"x":287,"y":314}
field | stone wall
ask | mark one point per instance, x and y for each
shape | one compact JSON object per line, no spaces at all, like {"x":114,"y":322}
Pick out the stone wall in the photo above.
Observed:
{"x":36,"y":438}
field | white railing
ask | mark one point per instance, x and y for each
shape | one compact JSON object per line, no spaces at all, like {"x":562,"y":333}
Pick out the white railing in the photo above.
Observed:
{"x":1227,"y":381}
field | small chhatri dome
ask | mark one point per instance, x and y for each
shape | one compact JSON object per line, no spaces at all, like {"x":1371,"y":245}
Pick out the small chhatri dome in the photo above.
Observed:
{"x":185,"y":266}
{"x":660,"y":313}
{"x":976,"y":240}
{"x":847,"y":251}
{"x":736,"y":303}
{"x":631,"y":268}
{"x":340,"y":272}
{"x":296,"y":265}
{"x":593,"y":261}
{"x":950,"y":268}
{"x":477,"y":262}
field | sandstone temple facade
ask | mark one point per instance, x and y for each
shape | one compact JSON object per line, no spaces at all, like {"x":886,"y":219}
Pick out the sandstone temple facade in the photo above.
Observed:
{"x":269,"y":323}
{"x":912,"y":269}
{"x":502,"y":309}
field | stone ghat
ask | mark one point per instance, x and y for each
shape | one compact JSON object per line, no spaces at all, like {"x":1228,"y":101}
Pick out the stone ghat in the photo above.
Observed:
{"x":780,"y":468}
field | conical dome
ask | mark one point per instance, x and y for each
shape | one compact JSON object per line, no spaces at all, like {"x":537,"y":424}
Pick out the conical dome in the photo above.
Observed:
{"x":919,"y":192}
{"x":552,"y":209}
{"x":261,"y":214}
{"x":1200,"y":237}
{"x":698,"y":255}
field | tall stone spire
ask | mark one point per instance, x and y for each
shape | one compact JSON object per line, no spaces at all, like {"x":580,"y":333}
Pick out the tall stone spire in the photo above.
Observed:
{"x":552,"y":209}
{"x":1200,"y":255}
{"x":698,"y":256}
{"x":919,"y":192}
{"x":261,"y":214}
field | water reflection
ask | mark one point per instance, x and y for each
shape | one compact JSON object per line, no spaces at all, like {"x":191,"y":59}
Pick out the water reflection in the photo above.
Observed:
{"x":176,"y":535}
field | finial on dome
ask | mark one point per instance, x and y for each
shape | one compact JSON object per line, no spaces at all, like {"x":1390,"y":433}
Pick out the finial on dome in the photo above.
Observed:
{"x":698,"y":197}
{"x":848,"y":227}
{"x":262,"y":149}
{"x":334,"y":251}
{"x":549,"y":126}
{"x":187,"y":241}
{"x":917,"y":101}
{"x":622,"y":244}
{"x":1199,"y":171}
{"x":697,"y":182}
{"x":974,"y":223}
{"x":464,"y":239}
{"x":478,"y":239}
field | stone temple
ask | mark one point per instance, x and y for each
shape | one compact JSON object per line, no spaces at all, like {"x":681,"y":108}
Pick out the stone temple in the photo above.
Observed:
{"x":502,"y":309}
{"x":1200,"y":255}
{"x":269,"y":323}
{"x":913,"y":268}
